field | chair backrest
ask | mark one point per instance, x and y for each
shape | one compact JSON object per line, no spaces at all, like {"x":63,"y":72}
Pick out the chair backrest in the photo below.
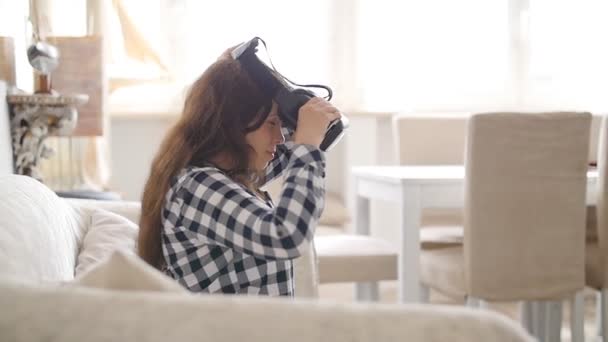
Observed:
{"x":602,"y":195}
{"x":525,"y":205}
{"x":430,"y":140}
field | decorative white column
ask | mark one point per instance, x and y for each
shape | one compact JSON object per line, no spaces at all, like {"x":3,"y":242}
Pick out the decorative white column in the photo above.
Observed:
{"x":33,"y":117}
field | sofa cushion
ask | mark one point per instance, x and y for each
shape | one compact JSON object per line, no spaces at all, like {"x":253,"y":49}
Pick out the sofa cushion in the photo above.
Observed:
{"x":107,"y":233}
{"x":39,"y":232}
{"x":126,"y":271}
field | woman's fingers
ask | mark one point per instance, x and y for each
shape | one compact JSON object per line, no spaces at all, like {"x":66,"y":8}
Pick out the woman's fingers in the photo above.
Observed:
{"x":335,"y":115}
{"x":332,"y":112}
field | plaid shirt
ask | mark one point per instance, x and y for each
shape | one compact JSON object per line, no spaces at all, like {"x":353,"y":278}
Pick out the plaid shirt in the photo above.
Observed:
{"x":219,"y":237}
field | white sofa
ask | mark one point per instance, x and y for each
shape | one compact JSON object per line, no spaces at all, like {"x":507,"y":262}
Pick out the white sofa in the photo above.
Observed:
{"x":40,"y":241}
{"x":43,"y":243}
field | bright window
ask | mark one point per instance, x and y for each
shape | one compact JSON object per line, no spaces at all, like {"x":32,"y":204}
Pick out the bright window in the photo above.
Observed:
{"x":433,"y":54}
{"x":568,"y":54}
{"x":189,"y":35}
{"x":296,"y":33}
{"x":378,"y":55}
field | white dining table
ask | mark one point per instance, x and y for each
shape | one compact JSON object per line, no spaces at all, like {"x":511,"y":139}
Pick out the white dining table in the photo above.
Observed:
{"x":414,"y":188}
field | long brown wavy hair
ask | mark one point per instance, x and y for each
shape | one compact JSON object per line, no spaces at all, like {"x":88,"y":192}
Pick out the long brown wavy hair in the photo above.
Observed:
{"x":220,"y":108}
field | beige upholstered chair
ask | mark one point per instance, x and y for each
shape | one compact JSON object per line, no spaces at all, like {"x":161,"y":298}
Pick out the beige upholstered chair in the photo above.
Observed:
{"x":440,"y":227}
{"x":364,"y":259}
{"x":524,"y":216}
{"x":597,"y":249}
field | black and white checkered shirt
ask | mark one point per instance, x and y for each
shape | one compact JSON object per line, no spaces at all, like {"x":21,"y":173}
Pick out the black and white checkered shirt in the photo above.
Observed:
{"x":219,"y":237}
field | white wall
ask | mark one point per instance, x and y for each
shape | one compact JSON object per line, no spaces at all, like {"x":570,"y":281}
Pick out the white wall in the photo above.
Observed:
{"x":135,"y":138}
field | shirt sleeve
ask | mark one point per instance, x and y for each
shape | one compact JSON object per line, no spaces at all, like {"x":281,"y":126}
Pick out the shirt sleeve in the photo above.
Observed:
{"x":222,"y":212}
{"x":279,"y":162}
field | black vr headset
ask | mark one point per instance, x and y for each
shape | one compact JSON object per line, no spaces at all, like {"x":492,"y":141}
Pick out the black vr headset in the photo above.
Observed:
{"x":288,"y":98}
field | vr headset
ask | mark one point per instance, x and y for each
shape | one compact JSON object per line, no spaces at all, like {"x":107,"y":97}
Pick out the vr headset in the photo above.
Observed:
{"x":289,"y":99}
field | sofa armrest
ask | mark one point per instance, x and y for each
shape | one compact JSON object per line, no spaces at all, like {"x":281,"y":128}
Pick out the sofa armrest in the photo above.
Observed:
{"x":84,"y":314}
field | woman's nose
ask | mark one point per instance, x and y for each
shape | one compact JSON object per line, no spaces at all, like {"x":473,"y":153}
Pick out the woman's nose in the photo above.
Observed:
{"x":279,"y":138}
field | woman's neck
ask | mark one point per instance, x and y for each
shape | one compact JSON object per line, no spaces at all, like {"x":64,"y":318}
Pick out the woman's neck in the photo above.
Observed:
{"x":223,"y":161}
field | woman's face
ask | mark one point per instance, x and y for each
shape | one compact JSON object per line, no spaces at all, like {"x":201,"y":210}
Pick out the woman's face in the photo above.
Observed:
{"x":264,"y":140}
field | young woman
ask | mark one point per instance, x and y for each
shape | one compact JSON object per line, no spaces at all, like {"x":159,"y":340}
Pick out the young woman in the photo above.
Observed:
{"x":204,"y":220}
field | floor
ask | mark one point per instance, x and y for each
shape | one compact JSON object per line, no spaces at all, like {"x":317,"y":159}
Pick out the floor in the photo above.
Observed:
{"x":388,"y":294}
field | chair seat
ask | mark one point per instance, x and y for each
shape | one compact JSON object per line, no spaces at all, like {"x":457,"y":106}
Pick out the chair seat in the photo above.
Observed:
{"x":355,"y":258}
{"x":443,"y":230}
{"x":441,"y":217}
{"x":594,"y":277}
{"x":433,"y":237}
{"x":442,"y":269}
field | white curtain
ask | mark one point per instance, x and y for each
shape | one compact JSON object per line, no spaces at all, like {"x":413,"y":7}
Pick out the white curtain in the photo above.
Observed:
{"x":384,"y":55}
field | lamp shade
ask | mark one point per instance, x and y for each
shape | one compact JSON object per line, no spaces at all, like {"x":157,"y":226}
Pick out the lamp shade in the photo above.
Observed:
{"x":81,"y":71}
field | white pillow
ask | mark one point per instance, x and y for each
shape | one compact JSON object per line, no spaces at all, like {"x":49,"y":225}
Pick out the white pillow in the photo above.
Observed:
{"x":126,"y":271}
{"x":39,"y":233}
{"x":108,"y":232}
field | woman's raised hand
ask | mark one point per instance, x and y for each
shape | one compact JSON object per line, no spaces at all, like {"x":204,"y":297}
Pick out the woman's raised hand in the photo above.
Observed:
{"x":313,"y":119}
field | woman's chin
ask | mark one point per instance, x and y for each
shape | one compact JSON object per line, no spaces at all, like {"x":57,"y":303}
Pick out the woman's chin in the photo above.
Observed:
{"x":261,"y":165}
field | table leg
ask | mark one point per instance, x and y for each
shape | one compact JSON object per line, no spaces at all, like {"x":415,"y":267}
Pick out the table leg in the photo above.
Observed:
{"x":409,"y":249}
{"x":364,"y":291}
{"x":362,"y":217}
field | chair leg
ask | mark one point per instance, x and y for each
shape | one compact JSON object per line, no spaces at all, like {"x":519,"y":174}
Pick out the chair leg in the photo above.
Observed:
{"x":603,"y":314}
{"x":577,"y":317}
{"x":473,"y":302}
{"x":539,"y":310}
{"x":367,"y":292}
{"x":598,"y":314}
{"x":542,"y":319}
{"x":553,"y":321}
{"x":425,"y":293}
{"x":525,"y":316}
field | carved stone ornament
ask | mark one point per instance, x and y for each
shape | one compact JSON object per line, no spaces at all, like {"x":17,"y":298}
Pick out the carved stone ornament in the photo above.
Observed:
{"x":34,"y":117}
